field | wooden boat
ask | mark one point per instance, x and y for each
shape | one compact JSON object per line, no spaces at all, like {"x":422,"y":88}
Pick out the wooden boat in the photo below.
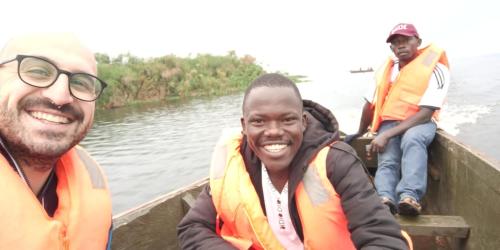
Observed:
{"x":361,"y":70}
{"x":461,"y":207}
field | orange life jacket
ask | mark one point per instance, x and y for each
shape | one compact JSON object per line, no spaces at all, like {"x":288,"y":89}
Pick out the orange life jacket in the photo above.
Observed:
{"x":399,"y":100}
{"x":81,"y":221}
{"x":245,"y":224}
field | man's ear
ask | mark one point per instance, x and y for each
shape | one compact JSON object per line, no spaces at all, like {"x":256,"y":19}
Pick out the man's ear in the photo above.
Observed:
{"x":419,"y":42}
{"x":304,"y":121}
{"x":243,"y":128}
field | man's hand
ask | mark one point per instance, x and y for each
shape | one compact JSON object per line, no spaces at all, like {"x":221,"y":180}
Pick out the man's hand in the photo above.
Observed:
{"x":349,"y":138}
{"x":378,"y":143}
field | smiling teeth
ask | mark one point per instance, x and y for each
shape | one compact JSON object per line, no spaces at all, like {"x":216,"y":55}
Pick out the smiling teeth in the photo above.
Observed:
{"x":275,"y":147}
{"x":49,"y":117}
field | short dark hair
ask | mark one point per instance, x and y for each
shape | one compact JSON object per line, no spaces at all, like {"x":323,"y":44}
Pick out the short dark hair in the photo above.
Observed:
{"x":271,"y":80}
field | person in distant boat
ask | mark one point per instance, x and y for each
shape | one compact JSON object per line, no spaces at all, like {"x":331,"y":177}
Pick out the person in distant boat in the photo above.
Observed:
{"x":52,"y":194}
{"x":402,"y":110}
{"x":287,"y":182}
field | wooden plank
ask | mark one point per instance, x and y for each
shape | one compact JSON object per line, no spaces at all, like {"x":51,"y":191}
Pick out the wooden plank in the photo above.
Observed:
{"x":153,"y":225}
{"x":188,"y":201}
{"x":435,"y":225}
{"x":359,"y":145}
{"x":433,"y":171}
{"x":469,"y":187}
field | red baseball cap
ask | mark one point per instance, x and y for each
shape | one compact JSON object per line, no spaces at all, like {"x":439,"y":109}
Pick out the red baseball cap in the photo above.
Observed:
{"x":404,"y":29}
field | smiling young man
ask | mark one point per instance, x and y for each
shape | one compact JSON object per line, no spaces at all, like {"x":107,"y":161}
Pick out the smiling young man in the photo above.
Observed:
{"x":52,"y":194}
{"x":402,"y":110}
{"x":285,"y":182}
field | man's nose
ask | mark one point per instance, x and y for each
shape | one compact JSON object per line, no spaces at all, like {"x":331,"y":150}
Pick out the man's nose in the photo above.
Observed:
{"x":401,"y":45}
{"x":274,"y":128}
{"x":59,"y":91}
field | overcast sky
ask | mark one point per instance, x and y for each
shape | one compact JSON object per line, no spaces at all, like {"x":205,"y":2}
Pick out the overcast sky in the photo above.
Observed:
{"x":310,"y":37}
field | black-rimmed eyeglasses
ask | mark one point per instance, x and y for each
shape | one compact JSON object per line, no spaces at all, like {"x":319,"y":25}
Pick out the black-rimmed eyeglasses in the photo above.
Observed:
{"x":42,"y":73}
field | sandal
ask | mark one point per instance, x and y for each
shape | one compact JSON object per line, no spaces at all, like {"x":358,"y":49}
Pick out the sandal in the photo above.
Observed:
{"x":386,"y":201}
{"x":409,"y":206}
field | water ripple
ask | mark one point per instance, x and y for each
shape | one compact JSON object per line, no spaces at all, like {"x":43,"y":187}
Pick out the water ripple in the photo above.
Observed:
{"x":150,"y":150}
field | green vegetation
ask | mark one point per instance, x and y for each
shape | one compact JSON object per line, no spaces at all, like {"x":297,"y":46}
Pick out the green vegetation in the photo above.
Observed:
{"x":132,"y":79}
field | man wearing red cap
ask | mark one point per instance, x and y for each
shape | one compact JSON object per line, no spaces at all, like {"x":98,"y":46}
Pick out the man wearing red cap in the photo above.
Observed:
{"x":402,"y":110}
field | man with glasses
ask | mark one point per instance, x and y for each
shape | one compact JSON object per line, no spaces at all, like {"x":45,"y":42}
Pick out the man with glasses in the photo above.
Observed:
{"x":402,"y":110}
{"x":52,"y":194}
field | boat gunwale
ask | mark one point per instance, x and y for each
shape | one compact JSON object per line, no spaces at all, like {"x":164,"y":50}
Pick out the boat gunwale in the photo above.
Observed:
{"x":131,"y":214}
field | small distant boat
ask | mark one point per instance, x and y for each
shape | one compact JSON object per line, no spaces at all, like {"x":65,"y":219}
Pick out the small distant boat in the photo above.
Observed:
{"x":361,"y":70}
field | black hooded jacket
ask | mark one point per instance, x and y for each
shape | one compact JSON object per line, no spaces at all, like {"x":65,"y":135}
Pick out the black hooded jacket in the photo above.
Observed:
{"x":371,"y":224}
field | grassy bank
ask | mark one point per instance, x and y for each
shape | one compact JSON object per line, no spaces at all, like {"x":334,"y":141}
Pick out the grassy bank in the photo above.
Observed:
{"x":132,"y":79}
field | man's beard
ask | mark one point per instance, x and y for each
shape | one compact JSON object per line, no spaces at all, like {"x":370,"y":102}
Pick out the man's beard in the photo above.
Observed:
{"x":43,"y":144}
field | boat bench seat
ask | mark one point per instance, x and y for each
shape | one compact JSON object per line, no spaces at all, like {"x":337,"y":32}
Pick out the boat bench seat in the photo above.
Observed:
{"x":435,"y":225}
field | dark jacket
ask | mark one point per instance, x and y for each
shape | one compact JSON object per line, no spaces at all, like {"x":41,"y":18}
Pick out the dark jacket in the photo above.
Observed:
{"x":371,"y":224}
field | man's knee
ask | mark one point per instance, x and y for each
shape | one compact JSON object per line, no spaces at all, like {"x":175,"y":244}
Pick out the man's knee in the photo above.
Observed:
{"x":418,"y":135}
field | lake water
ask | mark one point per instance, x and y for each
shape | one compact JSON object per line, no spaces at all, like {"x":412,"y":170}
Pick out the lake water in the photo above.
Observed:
{"x":152,"y":149}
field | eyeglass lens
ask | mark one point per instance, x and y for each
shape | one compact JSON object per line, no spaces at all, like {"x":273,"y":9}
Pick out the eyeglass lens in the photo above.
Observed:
{"x":41,"y":73}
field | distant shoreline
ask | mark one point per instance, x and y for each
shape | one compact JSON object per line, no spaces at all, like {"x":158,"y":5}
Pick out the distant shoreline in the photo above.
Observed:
{"x":133,"y":80}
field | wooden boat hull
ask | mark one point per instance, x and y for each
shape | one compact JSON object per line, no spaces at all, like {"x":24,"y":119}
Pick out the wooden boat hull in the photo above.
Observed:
{"x":153,"y":224}
{"x":465,"y":183}
{"x":462,"y":182}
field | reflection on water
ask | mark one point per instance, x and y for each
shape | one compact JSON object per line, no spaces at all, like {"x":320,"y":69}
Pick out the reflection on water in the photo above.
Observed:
{"x":152,"y":149}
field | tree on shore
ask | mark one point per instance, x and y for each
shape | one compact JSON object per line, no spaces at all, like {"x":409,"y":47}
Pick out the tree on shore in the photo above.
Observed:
{"x":133,"y":79}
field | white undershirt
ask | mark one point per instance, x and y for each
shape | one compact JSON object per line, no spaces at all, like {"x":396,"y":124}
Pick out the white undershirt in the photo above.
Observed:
{"x":276,"y":205}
